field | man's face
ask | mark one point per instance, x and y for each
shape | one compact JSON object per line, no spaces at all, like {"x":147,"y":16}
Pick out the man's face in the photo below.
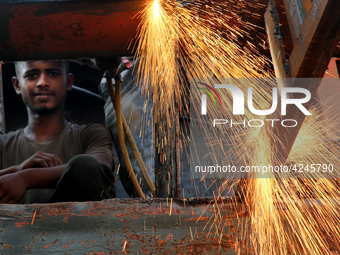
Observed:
{"x":43,"y":85}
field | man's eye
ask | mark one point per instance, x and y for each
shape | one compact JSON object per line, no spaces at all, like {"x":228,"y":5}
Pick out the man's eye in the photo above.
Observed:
{"x":31,"y":76}
{"x":54,"y":73}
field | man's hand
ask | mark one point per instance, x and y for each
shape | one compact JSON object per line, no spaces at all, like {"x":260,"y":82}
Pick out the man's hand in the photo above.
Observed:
{"x":41,"y":159}
{"x":12,"y":188}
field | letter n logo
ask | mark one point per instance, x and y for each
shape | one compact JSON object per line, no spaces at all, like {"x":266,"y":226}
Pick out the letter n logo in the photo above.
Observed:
{"x":204,"y":97}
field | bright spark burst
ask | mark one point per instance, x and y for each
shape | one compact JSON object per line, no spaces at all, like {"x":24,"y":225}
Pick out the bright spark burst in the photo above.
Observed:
{"x":179,"y":43}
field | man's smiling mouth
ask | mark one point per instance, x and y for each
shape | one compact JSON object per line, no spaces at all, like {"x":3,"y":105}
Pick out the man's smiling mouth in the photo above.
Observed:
{"x":43,"y":94}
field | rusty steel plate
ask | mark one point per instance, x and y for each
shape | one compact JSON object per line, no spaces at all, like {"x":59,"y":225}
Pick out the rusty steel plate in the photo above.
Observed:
{"x":120,"y":226}
{"x":34,"y":30}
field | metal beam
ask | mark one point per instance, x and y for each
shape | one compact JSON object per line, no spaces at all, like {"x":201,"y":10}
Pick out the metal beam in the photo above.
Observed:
{"x":275,"y":39}
{"x":309,"y":58}
{"x":296,"y":11}
{"x":318,"y":40}
{"x":295,"y":18}
{"x":67,"y":29}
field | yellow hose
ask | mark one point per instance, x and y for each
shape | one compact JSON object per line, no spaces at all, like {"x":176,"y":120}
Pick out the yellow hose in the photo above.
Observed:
{"x":138,"y":157}
{"x":115,"y":98}
{"x":137,"y":154}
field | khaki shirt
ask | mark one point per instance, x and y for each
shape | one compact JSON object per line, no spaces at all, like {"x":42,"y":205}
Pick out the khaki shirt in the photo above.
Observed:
{"x":16,"y":147}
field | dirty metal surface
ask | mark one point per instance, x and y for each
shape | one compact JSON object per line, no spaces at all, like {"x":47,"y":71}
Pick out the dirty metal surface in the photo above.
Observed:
{"x":296,"y":14}
{"x":119,"y":226}
{"x":275,"y":40}
{"x":67,"y":29}
{"x":34,"y":30}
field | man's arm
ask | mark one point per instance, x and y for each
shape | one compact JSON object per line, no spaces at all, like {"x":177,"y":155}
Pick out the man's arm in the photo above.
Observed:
{"x":14,"y":185}
{"x":9,"y":170}
{"x":38,"y":177}
{"x":39,"y":159}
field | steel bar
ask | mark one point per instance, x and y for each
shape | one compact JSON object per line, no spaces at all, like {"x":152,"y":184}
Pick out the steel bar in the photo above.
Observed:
{"x":294,"y":20}
{"x":275,"y":39}
{"x":317,"y":41}
{"x":310,"y":57}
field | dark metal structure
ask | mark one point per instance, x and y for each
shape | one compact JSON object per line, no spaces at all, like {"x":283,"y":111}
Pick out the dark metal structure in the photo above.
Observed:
{"x":67,"y":29}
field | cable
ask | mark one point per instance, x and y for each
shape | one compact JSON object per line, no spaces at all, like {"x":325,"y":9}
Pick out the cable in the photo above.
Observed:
{"x":115,"y":98}
{"x":137,"y":154}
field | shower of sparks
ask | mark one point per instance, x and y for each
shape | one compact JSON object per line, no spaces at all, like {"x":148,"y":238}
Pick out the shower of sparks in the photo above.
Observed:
{"x":178,"y":43}
{"x":286,"y":218}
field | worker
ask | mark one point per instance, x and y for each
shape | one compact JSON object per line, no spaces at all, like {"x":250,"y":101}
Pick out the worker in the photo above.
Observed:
{"x":52,"y":160}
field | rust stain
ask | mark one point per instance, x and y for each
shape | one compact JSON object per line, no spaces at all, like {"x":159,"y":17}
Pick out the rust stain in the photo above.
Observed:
{"x":97,"y":253}
{"x":143,"y":211}
{"x":67,"y":245}
{"x":52,"y":211}
{"x":78,"y":29}
{"x":8,"y":246}
{"x":20,"y":224}
{"x":200,"y":243}
{"x":54,"y":242}
{"x":28,"y":249}
{"x":65,"y":218}
{"x":197,"y":219}
{"x":84,"y":242}
{"x":95,"y":240}
{"x":89,"y":212}
{"x":67,"y":212}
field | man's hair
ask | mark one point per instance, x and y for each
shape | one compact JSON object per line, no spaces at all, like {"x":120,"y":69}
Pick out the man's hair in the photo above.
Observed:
{"x":19,"y":63}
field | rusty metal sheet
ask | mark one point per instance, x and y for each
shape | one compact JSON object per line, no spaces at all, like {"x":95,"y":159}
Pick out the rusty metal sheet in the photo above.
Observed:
{"x":67,"y":29}
{"x":125,"y":226}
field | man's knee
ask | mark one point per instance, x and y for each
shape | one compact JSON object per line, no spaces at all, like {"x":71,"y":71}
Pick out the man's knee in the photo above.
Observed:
{"x":84,"y":165}
{"x":85,"y":178}
{"x":86,"y":170}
